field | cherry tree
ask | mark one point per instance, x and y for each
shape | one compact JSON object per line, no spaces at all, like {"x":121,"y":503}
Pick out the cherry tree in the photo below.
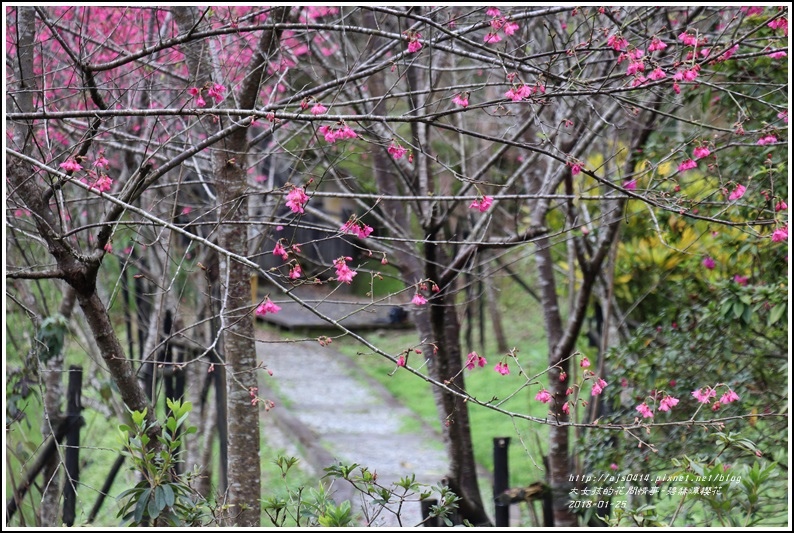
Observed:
{"x":201,"y":146}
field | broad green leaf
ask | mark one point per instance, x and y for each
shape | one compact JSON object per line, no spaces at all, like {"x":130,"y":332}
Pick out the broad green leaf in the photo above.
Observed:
{"x":168,"y":492}
{"x":140,"y":508}
{"x":776,"y":313}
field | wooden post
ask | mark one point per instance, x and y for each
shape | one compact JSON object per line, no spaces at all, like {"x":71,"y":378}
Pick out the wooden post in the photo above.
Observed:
{"x":72,"y":453}
{"x":428,"y":520}
{"x":501,"y":481}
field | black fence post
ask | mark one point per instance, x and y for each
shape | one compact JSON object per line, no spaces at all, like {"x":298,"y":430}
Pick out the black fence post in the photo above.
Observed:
{"x":72,"y":453}
{"x":429,"y":521}
{"x":501,"y":481}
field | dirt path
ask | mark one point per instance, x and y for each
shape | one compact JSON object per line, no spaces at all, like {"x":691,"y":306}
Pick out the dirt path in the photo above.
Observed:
{"x":337,"y":414}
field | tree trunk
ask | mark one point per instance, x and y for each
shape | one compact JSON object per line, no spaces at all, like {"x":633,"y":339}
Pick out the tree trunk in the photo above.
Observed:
{"x":237,"y":324}
{"x":240,"y":351}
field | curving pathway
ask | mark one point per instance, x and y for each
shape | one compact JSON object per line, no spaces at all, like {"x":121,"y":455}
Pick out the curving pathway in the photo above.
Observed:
{"x":336,"y":414}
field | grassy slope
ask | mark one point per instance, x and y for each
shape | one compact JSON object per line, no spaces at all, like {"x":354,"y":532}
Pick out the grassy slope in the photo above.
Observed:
{"x":525,"y":458}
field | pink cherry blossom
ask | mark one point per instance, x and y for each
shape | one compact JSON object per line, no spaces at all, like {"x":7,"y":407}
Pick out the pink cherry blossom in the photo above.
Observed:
{"x":751,"y":10}
{"x":781,"y":206}
{"x":216,"y":92}
{"x":413,"y":44}
{"x":617,"y":42}
{"x":295,"y":272}
{"x":729,"y":397}
{"x":343,"y":272}
{"x":644,"y":410}
{"x":566,"y":408}
{"x":635,"y":67}
{"x":576,"y":168}
{"x":585,"y":362}
{"x":543,"y":396}
{"x":103,"y":184}
{"x":482,"y":204}
{"x":700,"y":152}
{"x":638,"y":80}
{"x":778,"y":54}
{"x":280,"y":250}
{"x":109,"y":247}
{"x":691,"y":74}
{"x":741,"y":280}
{"x":357,"y":228}
{"x":474,"y":360}
{"x":267,"y":307}
{"x":667,"y":403}
{"x":737,"y":193}
{"x":401,"y":360}
{"x":510,"y":28}
{"x":704,"y":395}
{"x":783,"y":115}
{"x":686,"y":165}
{"x":630,"y":185}
{"x":779,"y":23}
{"x":780,"y":234}
{"x":656,"y":74}
{"x":71,"y":165}
{"x":493,"y":12}
{"x":502,"y":368}
{"x":656,"y":44}
{"x":461,"y":99}
{"x":728,"y":53}
{"x":101,"y":162}
{"x":297,"y":199}
{"x":688,"y":39}
{"x":598,"y":387}
{"x":318,"y":109}
{"x":517,"y":94}
{"x":767,"y":139}
{"x":491,"y":37}
{"x":418,"y":299}
{"x":396,"y":151}
{"x":709,"y":263}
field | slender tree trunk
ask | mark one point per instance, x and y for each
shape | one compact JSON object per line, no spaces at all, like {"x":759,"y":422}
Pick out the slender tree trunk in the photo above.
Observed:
{"x":53,"y":393}
{"x":237,"y":324}
{"x":240,"y":350}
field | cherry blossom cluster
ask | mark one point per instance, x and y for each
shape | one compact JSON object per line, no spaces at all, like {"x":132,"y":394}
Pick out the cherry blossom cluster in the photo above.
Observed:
{"x":419,"y":298}
{"x":414,"y":45}
{"x":461,"y":100}
{"x":267,"y":307}
{"x":344,"y":273}
{"x":517,"y":93}
{"x":317,"y":108}
{"x":474,"y":360}
{"x":297,"y":199}
{"x":396,"y":151}
{"x":356,"y":227}
{"x":499,"y":24}
{"x":96,"y":180}
{"x":703,"y":395}
{"x":482,"y":204}
{"x":340,"y":131}
{"x":215,"y":91}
